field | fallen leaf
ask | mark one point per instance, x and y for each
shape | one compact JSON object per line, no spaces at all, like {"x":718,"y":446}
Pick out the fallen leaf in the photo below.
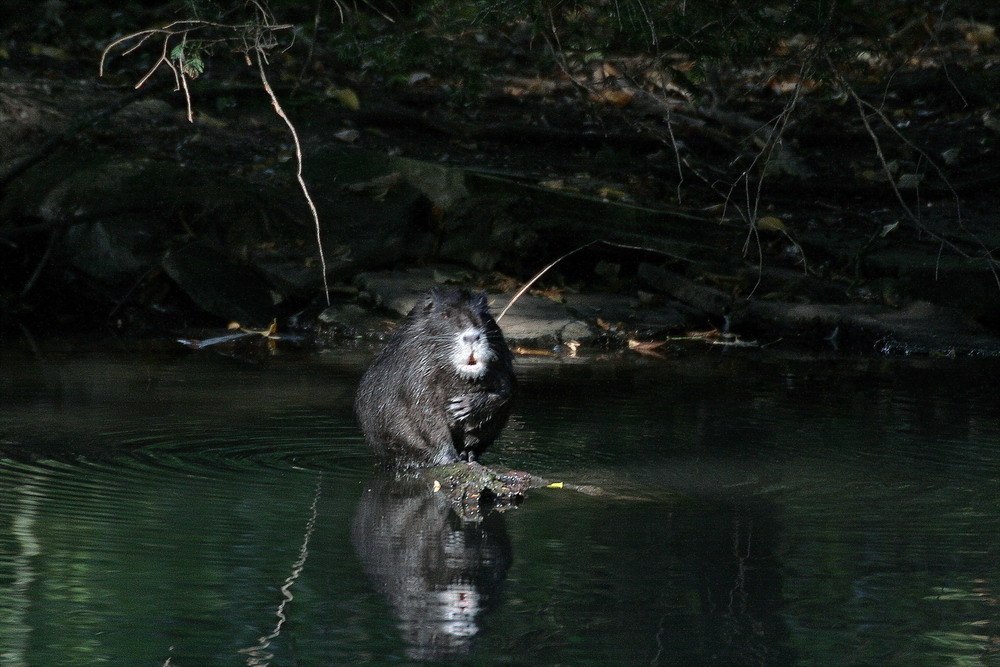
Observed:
{"x":789,"y":84}
{"x":649,"y":348}
{"x":378,"y":187}
{"x":53,"y":52}
{"x":610,"y":193}
{"x":981,"y":34}
{"x":614,"y":97}
{"x":888,"y":229}
{"x":950,"y":156}
{"x":769,"y":223}
{"x":532,"y":352}
{"x":555,"y":295}
{"x":347,"y":97}
{"x":348,"y":136}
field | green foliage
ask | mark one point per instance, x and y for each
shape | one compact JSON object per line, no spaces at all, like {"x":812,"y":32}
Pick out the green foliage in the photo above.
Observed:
{"x":188,"y":56}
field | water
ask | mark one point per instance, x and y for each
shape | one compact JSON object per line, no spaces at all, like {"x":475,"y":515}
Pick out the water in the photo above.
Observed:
{"x":168,"y":507}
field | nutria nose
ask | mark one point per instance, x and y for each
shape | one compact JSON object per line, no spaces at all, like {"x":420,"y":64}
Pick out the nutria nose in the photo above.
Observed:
{"x":470,"y":336}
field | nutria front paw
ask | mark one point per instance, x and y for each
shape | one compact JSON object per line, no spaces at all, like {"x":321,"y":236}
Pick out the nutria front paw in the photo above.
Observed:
{"x":460,"y":407}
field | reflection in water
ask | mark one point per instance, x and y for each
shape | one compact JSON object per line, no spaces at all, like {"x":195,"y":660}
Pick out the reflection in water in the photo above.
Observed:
{"x":15,"y":630}
{"x":440,"y":573}
{"x":739,"y":588}
{"x":260,"y":654}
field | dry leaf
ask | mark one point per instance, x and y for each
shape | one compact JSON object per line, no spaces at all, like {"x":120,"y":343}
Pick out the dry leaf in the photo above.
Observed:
{"x":769,"y":223}
{"x":532,"y":352}
{"x":348,"y":136}
{"x":347,"y":97}
{"x":789,"y":84}
{"x":610,"y":193}
{"x":649,"y":348}
{"x":981,"y":34}
{"x":645,"y":344}
{"x":555,"y":295}
{"x":614,"y":97}
{"x":887,"y":229}
{"x":53,"y":52}
{"x":378,"y":187}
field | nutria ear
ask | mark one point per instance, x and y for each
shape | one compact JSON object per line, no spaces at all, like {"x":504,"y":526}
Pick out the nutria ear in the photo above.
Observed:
{"x":478,"y":302}
{"x":426,"y":305}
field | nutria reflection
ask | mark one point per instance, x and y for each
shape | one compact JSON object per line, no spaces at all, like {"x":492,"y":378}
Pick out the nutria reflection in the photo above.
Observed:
{"x":439,"y":572}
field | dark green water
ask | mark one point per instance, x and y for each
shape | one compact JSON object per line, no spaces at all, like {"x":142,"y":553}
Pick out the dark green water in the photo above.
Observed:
{"x":178,"y":508}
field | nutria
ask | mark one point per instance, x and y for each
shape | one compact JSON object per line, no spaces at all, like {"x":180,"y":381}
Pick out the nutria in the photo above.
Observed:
{"x":440,"y":390}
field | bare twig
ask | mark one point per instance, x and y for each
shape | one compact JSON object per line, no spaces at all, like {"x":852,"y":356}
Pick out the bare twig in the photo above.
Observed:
{"x":298,"y":170}
{"x":527,"y":285}
{"x":611,"y":244}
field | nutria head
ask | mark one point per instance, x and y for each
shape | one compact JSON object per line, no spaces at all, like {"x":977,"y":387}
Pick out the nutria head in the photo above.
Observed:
{"x":462,"y":331}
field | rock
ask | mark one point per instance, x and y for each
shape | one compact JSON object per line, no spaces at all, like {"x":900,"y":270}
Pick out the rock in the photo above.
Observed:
{"x":349,"y":319}
{"x":105,"y":250}
{"x":537,"y":321}
{"x":400,"y":290}
{"x":220,"y":286}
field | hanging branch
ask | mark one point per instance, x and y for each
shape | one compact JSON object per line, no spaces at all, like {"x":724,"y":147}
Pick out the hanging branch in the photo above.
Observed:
{"x":298,"y":171}
{"x":183,"y":57}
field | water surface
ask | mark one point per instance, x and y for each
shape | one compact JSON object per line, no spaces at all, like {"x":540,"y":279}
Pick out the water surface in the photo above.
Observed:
{"x":164,"y":506}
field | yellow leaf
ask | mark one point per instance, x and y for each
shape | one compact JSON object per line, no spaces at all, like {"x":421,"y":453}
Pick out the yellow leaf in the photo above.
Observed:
{"x":556,"y":485}
{"x":610,"y":193}
{"x":48,"y":51}
{"x":346,"y":97}
{"x":769,"y":223}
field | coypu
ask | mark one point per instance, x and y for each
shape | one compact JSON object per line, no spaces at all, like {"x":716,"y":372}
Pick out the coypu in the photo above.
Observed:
{"x":440,"y":390}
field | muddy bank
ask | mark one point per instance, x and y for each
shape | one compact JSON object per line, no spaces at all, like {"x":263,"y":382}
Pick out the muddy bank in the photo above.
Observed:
{"x":200,"y":226}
